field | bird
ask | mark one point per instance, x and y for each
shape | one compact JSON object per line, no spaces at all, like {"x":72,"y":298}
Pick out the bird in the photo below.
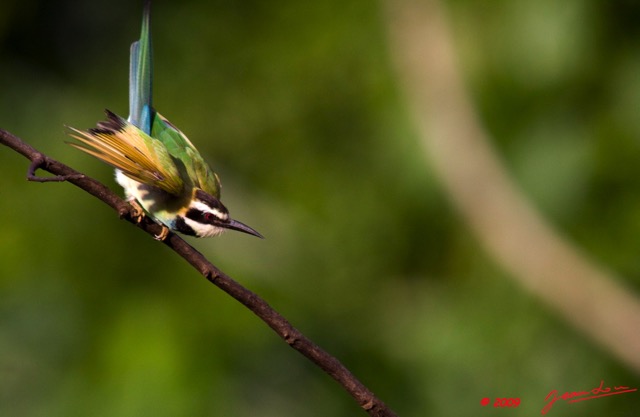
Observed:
{"x":162,"y":173}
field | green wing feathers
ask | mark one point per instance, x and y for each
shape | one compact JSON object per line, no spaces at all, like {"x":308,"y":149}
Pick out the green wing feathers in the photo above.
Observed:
{"x":180,"y":147}
{"x":127,"y":148}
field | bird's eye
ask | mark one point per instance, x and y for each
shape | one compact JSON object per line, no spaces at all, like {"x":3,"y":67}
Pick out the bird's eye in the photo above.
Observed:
{"x":208,"y":217}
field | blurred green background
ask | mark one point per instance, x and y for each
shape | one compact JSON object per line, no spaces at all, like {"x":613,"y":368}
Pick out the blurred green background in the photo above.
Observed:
{"x":298,"y":108}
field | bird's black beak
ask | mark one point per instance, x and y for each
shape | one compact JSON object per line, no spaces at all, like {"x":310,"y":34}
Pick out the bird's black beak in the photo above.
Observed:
{"x":241,"y":227}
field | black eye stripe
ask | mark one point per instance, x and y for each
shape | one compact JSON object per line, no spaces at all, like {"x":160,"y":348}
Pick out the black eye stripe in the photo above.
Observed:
{"x":202,"y":216}
{"x":195,"y":215}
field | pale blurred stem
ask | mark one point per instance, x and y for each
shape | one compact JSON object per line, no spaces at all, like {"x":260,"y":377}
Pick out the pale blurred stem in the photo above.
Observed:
{"x":542,"y":261}
{"x":365,"y":398}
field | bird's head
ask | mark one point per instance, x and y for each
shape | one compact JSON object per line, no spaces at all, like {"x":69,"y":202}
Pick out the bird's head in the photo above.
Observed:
{"x":206,"y":216}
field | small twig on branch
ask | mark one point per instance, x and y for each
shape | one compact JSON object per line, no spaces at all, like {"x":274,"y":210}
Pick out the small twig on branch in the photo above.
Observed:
{"x":365,"y":398}
{"x":39,"y":161}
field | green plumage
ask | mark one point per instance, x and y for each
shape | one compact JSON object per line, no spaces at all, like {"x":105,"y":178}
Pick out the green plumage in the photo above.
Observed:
{"x":180,"y":148}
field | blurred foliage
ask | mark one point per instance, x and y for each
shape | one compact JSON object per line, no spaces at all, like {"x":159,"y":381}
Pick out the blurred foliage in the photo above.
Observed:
{"x":297,"y":107}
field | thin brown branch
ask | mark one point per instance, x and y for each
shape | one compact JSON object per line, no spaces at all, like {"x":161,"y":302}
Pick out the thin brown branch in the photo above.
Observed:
{"x":329,"y":364}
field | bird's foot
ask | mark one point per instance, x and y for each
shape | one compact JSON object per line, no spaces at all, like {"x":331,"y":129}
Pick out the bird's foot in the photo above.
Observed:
{"x":163,"y":234}
{"x":137,"y":212}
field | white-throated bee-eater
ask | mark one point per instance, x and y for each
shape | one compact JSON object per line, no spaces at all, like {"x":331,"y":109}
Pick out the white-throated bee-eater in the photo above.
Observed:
{"x":162,"y":173}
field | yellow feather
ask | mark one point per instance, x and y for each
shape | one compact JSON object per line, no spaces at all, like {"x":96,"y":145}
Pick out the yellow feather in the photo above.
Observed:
{"x":126,"y":150}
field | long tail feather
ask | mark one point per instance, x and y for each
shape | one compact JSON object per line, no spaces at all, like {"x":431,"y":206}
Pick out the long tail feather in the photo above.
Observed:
{"x":141,"y":76}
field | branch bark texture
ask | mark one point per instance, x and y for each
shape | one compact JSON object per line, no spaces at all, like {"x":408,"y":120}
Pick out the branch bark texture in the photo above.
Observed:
{"x":294,"y":338}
